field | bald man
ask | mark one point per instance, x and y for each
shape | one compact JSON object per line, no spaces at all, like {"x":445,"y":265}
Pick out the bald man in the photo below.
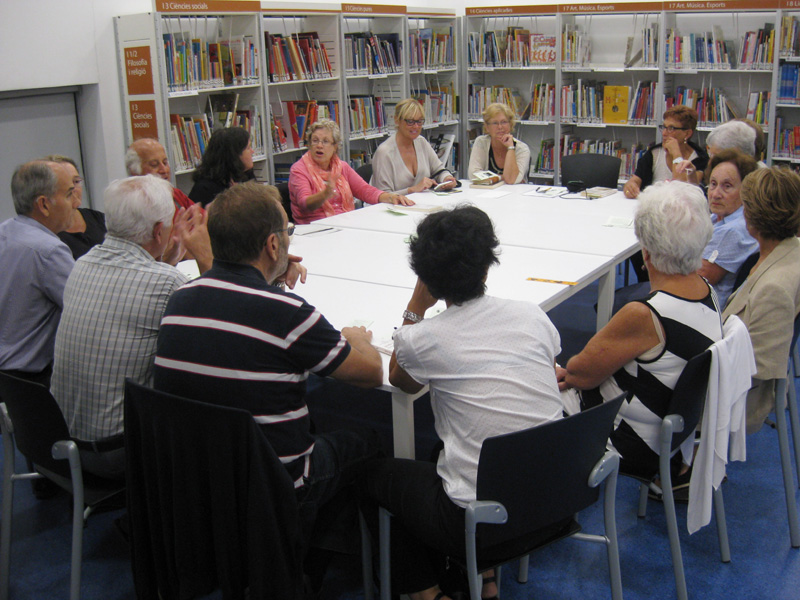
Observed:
{"x":148,"y":157}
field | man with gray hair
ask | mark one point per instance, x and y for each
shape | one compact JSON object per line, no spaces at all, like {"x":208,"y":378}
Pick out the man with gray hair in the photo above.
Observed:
{"x":147,"y":156}
{"x":113,"y":303}
{"x":36,"y":264}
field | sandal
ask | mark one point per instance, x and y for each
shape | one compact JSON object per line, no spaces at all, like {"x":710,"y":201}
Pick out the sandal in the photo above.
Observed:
{"x":492,"y":579}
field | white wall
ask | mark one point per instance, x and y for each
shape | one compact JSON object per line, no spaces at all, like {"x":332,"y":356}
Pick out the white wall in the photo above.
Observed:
{"x":53,"y":43}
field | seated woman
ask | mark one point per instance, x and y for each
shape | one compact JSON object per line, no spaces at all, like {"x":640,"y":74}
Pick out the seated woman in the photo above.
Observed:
{"x":730,"y":243}
{"x":489,"y":365}
{"x":665,"y":161}
{"x":769,"y":300}
{"x":644,"y":347}
{"x":322,"y":185}
{"x":228,"y":159}
{"x":88,"y":226}
{"x":498,"y":150}
{"x":406,"y":163}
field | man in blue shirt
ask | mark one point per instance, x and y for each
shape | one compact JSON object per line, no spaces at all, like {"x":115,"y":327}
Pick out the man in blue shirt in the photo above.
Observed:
{"x":36,"y":264}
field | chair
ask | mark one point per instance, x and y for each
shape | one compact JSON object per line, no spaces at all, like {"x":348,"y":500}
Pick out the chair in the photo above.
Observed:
{"x":744,"y":270}
{"x":592,"y":169}
{"x":556,"y":470}
{"x":683,"y":415}
{"x":286,"y":201}
{"x":31,"y":419}
{"x":210,"y":504}
{"x":365,"y":171}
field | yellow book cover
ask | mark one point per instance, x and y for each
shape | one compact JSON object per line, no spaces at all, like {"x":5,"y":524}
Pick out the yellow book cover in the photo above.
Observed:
{"x":615,"y":103}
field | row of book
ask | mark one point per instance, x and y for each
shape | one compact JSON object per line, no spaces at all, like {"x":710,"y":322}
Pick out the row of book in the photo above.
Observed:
{"x":576,"y":46}
{"x":649,"y":56}
{"x":789,"y":87}
{"x":707,"y":50}
{"x":367,"y":53}
{"x":544,"y":163}
{"x":790,"y":37}
{"x":194,"y":64}
{"x":430,"y":50}
{"x":787,"y":140}
{"x":513,"y":47}
{"x":439,"y":103}
{"x":582,"y":102}
{"x":481,"y":96}
{"x":296,"y":57}
{"x":367,"y":116}
{"x":289,"y":120}
{"x":758,"y":48}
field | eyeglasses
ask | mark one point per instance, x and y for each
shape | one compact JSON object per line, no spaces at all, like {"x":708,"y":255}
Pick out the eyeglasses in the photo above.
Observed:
{"x":498,"y":123}
{"x":289,"y":230}
{"x":324,"y":143}
{"x":412,"y":122}
{"x":671,"y":129}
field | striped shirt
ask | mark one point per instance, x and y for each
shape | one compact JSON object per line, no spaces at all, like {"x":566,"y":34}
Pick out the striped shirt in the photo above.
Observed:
{"x":231,"y":338}
{"x":690,"y":327}
{"x":113,"y":303}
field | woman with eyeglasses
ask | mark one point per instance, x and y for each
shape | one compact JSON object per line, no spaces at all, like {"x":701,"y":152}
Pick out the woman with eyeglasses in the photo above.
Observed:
{"x":88,"y":226}
{"x":406,"y":163}
{"x":498,"y":150}
{"x":667,"y":161}
{"x":322,"y":185}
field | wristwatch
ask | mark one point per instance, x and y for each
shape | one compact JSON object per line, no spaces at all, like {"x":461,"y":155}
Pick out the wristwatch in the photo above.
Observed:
{"x":412,"y":316}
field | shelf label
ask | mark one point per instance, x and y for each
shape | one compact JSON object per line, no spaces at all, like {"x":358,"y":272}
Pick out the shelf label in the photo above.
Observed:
{"x":790,"y":3}
{"x":208,"y":6}
{"x":138,"y":70}
{"x":511,"y":10}
{"x":143,"y":119}
{"x":726,"y":5}
{"x":634,"y":7}
{"x":376,"y":9}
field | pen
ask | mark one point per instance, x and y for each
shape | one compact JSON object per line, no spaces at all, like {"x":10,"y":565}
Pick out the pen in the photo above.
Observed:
{"x":552,"y":281}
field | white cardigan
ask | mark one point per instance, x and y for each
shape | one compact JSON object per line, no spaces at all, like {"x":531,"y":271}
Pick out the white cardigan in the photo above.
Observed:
{"x":390,"y":173}
{"x":479,"y":157}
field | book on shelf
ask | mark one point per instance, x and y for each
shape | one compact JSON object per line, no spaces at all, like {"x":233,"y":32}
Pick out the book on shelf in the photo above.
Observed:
{"x":223,"y":109}
{"x":616,"y":103}
{"x":790,"y":36}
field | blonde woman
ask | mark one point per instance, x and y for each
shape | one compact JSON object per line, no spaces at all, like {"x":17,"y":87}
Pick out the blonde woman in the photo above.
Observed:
{"x":322,"y":185}
{"x":406,"y":163}
{"x":498,"y":150}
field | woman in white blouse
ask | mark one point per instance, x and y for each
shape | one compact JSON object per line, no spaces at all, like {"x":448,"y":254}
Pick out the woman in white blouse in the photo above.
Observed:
{"x":406,"y":163}
{"x":499,"y":151}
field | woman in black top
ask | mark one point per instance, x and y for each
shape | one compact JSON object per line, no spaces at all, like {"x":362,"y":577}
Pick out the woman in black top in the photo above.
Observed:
{"x":88,"y":227}
{"x":228,"y":159}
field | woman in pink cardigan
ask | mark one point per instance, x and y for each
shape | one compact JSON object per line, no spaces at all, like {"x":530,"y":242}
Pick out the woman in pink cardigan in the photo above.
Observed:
{"x":322,"y":185}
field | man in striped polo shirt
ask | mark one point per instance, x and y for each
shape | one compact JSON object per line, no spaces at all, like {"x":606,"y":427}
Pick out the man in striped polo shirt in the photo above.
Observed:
{"x":236,"y":337}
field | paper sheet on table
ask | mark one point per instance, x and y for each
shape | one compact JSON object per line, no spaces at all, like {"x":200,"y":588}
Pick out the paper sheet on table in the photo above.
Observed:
{"x":545,"y":191}
{"x":309,"y":229}
{"x":417,"y":208}
{"x":499,"y":193}
{"x":623,"y":222}
{"x":189,"y":268}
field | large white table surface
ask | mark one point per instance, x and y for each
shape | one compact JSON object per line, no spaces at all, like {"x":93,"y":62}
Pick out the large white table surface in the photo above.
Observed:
{"x":382,"y":258}
{"x":566,"y":224}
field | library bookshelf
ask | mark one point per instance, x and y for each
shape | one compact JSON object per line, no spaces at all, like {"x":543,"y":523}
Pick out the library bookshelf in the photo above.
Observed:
{"x":186,"y":73}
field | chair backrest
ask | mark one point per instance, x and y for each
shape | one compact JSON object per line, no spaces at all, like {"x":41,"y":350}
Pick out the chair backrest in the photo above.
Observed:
{"x":689,"y":395}
{"x":210,"y":503}
{"x":592,"y":169}
{"x":795,"y":335}
{"x":541,"y":474}
{"x":286,"y":201}
{"x":365,"y":171}
{"x":38,"y":421}
{"x":744,"y":270}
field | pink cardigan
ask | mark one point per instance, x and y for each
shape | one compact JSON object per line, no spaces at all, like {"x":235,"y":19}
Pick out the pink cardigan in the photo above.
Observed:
{"x":300,"y":188}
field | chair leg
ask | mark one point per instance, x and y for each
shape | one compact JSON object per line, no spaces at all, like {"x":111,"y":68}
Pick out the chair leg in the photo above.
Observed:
{"x":366,"y":558}
{"x":384,"y":528}
{"x":669,"y":511}
{"x":722,"y":526}
{"x":791,"y":401}
{"x":610,"y":527}
{"x":786,"y":466}
{"x":8,"y":508}
{"x":522,"y":574}
{"x":643,"y":490}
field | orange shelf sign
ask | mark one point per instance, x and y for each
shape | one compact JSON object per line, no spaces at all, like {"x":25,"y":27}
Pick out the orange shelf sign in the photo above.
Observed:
{"x":138,"y":70}
{"x":143,"y":119}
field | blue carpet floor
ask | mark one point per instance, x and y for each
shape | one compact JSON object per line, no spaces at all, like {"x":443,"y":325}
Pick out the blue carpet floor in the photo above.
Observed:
{"x":763,"y":564}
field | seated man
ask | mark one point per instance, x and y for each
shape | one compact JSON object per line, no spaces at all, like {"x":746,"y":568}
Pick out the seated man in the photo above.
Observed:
{"x":113,"y":303}
{"x":235,"y":337}
{"x":36,"y":265}
{"x":489,"y":363}
{"x":148,"y":157}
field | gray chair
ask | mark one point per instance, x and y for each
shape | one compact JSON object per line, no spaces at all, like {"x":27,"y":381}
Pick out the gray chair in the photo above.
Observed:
{"x":31,"y":420}
{"x":592,"y":169}
{"x":532,"y":501}
{"x":683,"y":416}
{"x":365,"y":171}
{"x":286,"y":201}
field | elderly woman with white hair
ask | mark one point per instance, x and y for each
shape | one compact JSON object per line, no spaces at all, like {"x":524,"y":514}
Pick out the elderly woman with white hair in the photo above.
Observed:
{"x":731,"y":135}
{"x":644,"y":347}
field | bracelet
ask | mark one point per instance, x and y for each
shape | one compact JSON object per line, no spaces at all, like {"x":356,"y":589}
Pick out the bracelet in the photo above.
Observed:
{"x":510,"y":148}
{"x":412,"y":316}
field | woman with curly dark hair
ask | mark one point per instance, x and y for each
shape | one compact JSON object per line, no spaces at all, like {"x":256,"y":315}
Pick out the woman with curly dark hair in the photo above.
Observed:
{"x":228,"y":159}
